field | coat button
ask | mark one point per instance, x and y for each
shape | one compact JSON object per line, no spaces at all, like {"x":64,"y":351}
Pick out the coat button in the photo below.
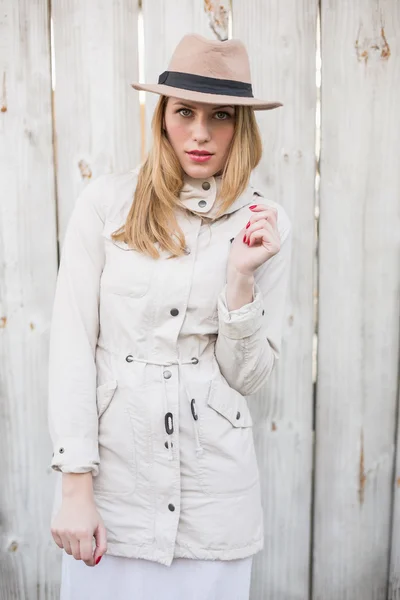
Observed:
{"x":167,"y":374}
{"x":202,"y":203}
{"x":263,"y":312}
{"x":61,"y":450}
{"x":194,"y":360}
{"x":174,"y":312}
{"x":186,"y":250}
{"x":206,"y":185}
{"x":166,"y":444}
{"x":169,"y":423}
{"x":171,"y":507}
{"x":129,"y":358}
{"x":238,"y":415}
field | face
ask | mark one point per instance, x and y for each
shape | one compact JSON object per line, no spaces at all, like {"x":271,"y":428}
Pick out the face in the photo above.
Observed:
{"x":200,"y":135}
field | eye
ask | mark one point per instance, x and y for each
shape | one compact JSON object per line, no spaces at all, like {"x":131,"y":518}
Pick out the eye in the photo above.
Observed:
{"x":221,"y":115}
{"x":184,"y":110}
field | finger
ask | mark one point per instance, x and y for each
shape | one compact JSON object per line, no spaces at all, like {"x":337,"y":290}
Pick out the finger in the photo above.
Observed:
{"x":75,"y":548}
{"x":260,"y":236}
{"x":257,"y":226}
{"x":57,"y":538}
{"x":257,"y":237}
{"x":86,"y":550}
{"x":101,"y":542}
{"x":66,"y":544}
{"x":256,"y":208}
{"x":269,"y":214}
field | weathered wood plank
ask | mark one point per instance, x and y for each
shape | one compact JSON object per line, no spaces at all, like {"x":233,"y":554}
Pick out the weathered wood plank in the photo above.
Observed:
{"x":394,"y":573}
{"x":280,"y":37}
{"x":359,"y":273}
{"x":97,"y":110}
{"x":167,"y":22}
{"x":28,"y":267}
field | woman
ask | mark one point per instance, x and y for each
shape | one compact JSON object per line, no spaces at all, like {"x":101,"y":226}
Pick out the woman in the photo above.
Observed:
{"x":168,"y":311}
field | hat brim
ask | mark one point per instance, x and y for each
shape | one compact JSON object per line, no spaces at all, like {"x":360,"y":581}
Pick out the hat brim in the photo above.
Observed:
{"x":167,"y":90}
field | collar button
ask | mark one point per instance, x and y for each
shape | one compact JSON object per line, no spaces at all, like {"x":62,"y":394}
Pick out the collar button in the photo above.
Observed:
{"x":202,"y":203}
{"x":206,"y":185}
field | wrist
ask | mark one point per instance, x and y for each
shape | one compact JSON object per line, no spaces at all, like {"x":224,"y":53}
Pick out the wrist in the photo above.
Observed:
{"x":240,"y":288}
{"x":77,"y":484}
{"x":238,"y":278}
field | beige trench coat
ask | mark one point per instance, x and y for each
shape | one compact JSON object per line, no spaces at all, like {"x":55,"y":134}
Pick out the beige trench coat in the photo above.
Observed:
{"x":148,"y":373}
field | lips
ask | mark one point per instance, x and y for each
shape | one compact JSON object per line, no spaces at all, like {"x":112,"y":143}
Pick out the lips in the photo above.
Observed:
{"x":199,"y":156}
{"x":199,"y":153}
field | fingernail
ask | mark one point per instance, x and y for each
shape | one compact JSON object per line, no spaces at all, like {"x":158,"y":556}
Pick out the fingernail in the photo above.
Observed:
{"x":254,"y":206}
{"x":248,"y":242}
{"x":248,"y":225}
{"x":244,"y":238}
{"x":98,"y":560}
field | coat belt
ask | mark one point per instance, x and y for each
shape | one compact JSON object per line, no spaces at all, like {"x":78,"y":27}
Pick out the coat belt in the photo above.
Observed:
{"x":168,"y":415}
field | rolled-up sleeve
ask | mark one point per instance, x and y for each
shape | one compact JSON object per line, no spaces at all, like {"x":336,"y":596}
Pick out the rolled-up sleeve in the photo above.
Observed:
{"x":249,"y":338}
{"x":72,"y":409}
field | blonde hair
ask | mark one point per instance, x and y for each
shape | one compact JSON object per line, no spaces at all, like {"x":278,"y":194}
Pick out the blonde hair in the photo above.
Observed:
{"x":151,"y":217}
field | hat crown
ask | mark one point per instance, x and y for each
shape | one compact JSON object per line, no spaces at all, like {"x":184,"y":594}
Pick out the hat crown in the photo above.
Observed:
{"x":208,"y":71}
{"x":198,"y":55}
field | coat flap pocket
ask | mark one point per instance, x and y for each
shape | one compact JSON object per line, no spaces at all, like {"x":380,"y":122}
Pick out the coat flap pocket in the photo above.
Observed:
{"x":125,"y":273}
{"x":230,"y":403}
{"x":108,"y":229}
{"x":104,"y":395}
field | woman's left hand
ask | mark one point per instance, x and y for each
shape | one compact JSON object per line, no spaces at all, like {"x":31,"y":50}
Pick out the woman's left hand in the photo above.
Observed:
{"x":257,"y":242}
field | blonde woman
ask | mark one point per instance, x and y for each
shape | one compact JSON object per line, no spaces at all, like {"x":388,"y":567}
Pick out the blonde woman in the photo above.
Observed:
{"x":168,"y":312}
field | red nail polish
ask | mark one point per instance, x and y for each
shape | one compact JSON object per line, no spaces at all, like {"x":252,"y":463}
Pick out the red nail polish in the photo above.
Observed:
{"x":254,"y":206}
{"x":248,"y":225}
{"x":244,"y":238}
{"x":248,"y":242}
{"x":98,"y":560}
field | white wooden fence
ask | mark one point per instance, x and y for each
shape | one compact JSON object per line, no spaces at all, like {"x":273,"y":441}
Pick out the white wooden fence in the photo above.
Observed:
{"x":326,"y":426}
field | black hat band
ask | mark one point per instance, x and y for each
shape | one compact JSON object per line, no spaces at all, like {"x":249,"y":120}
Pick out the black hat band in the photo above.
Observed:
{"x":206,"y":85}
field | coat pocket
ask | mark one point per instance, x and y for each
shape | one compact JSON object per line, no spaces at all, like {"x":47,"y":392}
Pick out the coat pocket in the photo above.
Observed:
{"x":117,"y":470}
{"x":230,"y":404}
{"x":127,"y":272}
{"x":228,"y":463}
{"x":104,"y":395}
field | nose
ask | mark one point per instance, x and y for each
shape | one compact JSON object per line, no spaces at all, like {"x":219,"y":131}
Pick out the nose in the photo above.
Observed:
{"x":201,"y":131}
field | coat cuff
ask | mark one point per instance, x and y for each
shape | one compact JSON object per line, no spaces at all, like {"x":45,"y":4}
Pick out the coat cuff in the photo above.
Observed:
{"x":76,"y":455}
{"x":241,"y":322}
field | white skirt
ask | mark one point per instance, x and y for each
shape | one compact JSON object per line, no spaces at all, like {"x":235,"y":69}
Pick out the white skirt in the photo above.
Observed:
{"x":119,"y":578}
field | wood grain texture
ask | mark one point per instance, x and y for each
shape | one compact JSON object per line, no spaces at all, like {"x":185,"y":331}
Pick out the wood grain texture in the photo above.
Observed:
{"x":280,"y":37}
{"x":28,"y":267}
{"x":394,"y":572}
{"x":165,"y":23}
{"x":359,"y":273}
{"x":97,"y":111}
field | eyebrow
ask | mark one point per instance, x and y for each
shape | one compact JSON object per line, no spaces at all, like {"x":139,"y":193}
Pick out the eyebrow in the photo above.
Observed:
{"x":187,"y":105}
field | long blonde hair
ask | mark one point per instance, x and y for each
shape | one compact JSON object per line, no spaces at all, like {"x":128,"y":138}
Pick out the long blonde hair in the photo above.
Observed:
{"x":152,"y":217}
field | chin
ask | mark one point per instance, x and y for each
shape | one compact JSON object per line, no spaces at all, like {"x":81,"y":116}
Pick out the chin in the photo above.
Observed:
{"x":200,"y":171}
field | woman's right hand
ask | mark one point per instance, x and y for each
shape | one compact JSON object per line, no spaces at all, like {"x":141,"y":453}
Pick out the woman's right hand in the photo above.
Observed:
{"x":78,"y":521}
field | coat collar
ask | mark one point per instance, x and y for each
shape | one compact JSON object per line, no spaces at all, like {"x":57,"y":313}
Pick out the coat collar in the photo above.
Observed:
{"x":199,"y":196}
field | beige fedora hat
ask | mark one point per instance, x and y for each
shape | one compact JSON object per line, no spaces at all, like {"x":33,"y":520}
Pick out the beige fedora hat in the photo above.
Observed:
{"x":209,"y":71}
